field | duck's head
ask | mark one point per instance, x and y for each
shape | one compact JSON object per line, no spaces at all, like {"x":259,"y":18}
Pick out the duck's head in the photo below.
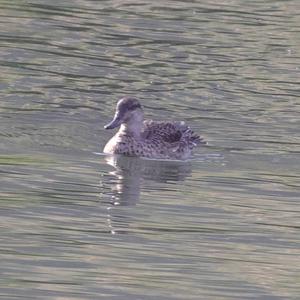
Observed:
{"x":128,"y":111}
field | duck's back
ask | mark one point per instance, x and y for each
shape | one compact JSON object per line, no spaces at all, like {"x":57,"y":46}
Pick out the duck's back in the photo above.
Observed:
{"x":169,"y":132}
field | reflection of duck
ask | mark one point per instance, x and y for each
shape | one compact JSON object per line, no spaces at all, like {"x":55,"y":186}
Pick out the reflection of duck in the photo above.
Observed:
{"x":168,"y":140}
{"x":125,"y":185}
{"x":130,"y":171}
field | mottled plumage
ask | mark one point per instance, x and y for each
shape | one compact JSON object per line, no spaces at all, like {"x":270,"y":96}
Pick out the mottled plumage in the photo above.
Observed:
{"x":167,"y":140}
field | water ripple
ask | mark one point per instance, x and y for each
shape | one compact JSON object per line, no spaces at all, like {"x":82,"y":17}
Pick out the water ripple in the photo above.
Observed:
{"x":223,"y":225}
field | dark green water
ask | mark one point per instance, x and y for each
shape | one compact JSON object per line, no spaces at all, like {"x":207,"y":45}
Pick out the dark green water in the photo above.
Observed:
{"x":75,"y":224}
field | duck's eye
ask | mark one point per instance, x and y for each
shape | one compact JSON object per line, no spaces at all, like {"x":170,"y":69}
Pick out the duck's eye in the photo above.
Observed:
{"x":135,"y":106}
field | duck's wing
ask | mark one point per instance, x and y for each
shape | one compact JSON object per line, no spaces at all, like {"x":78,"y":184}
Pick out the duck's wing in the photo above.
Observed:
{"x":164,"y":131}
{"x":170,"y":132}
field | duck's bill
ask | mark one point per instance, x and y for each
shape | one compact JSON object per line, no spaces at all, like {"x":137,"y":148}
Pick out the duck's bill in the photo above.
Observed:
{"x":116,"y":122}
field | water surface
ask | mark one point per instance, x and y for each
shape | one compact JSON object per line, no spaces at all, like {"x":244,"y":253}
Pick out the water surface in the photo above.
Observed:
{"x":76,"y":224}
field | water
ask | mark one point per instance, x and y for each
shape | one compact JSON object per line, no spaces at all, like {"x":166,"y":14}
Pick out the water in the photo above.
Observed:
{"x":76,"y":224}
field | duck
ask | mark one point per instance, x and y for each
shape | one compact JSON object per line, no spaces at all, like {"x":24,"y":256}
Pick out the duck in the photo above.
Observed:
{"x":147,"y":138}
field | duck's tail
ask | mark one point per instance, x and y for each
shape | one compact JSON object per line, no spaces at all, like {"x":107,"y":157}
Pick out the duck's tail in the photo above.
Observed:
{"x":182,"y":149}
{"x":191,"y":138}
